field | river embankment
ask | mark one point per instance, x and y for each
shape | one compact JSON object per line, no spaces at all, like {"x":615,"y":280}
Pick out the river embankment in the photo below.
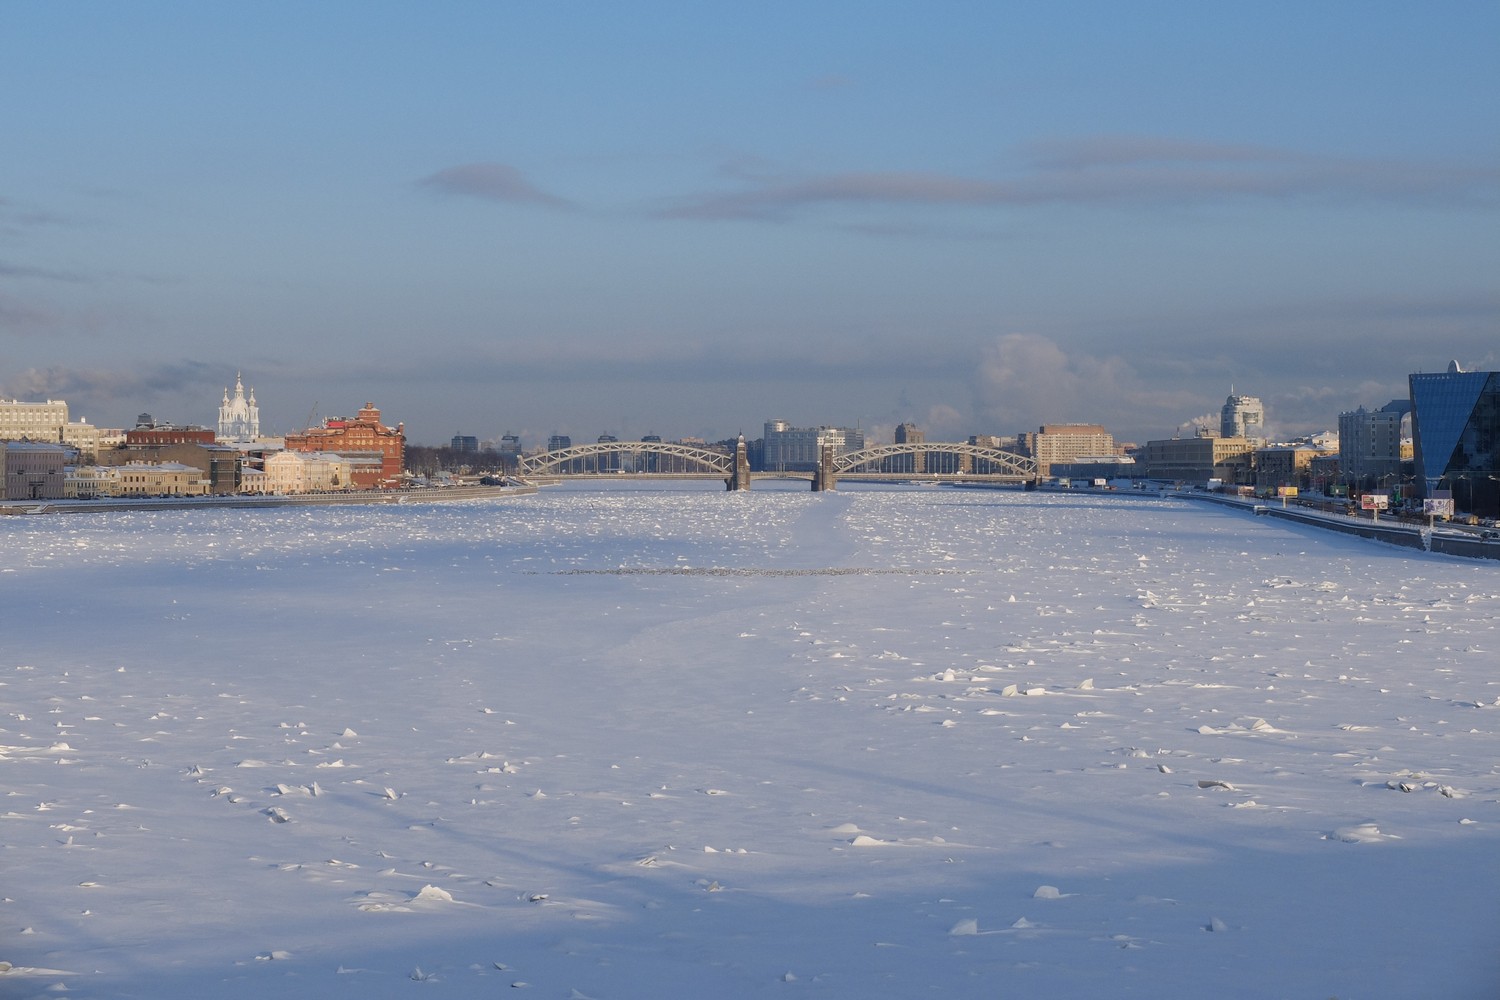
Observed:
{"x":423,"y":494}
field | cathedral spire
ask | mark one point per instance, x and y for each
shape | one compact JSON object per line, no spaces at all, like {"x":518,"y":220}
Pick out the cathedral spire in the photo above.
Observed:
{"x":239,"y":418}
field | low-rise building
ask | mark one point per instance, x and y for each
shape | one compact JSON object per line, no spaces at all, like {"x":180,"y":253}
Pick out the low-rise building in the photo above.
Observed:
{"x":252,"y":480}
{"x":376,"y":452}
{"x":90,"y":482}
{"x":84,"y":438}
{"x":1197,"y":460}
{"x":33,"y":470}
{"x":220,"y":464}
{"x":1107,"y":467}
{"x":306,"y":472}
{"x":164,"y":479}
{"x":1285,"y":465}
{"x":1324,"y":473}
{"x":162,"y":435}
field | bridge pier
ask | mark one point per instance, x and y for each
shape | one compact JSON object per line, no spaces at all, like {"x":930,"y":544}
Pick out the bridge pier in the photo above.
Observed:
{"x":824,"y":479}
{"x":739,"y":479}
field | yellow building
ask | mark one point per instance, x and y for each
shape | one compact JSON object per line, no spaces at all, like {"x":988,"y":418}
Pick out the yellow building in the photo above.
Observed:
{"x":306,"y":472}
{"x":164,"y":479}
{"x":88,"y":482}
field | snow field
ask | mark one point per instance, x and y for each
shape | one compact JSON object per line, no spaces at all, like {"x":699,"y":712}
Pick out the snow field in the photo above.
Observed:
{"x":871,"y":743}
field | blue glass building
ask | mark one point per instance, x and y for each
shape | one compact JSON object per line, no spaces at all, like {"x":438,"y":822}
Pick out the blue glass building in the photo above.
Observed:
{"x":1456,"y":430}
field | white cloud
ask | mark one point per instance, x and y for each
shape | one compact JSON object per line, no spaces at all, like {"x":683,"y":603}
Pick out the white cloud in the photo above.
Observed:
{"x":1024,"y":380}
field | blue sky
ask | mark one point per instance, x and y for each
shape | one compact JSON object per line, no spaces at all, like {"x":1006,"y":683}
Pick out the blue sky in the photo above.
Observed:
{"x":668,"y":217}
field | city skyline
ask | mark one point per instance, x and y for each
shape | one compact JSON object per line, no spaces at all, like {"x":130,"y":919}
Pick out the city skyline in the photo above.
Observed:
{"x":687,"y":221}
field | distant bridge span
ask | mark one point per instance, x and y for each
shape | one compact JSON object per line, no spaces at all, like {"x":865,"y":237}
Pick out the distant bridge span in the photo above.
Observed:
{"x":639,"y":457}
{"x":991,"y":463}
{"x":927,"y":460}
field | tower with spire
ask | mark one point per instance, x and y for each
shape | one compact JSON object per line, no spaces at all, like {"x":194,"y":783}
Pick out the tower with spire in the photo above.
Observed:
{"x":239,"y":418}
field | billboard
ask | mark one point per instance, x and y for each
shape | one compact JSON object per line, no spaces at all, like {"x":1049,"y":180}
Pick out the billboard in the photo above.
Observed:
{"x":1286,"y":491}
{"x":1374,"y":501}
{"x":1438,"y":508}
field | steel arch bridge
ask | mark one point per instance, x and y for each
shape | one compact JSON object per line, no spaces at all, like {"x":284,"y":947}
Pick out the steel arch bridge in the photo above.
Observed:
{"x":989,"y":462}
{"x":644,"y":458}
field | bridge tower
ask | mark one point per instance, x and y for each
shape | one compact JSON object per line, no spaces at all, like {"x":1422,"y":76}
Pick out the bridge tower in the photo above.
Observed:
{"x":824,"y":479}
{"x":739,"y":479}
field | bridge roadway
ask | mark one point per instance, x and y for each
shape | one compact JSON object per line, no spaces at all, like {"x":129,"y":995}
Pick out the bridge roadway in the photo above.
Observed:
{"x":882,"y":463}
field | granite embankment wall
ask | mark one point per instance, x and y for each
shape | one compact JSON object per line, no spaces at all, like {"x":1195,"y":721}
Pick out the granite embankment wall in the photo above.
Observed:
{"x":436,"y":494}
{"x":1451,"y":541}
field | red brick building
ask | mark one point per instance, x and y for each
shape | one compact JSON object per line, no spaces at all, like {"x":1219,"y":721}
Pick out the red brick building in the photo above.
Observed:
{"x":163,"y":435}
{"x":377,"y":452}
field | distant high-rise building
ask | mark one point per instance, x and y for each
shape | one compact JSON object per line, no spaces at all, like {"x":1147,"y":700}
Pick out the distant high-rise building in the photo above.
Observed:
{"x":1370,"y":442}
{"x":558,"y":442}
{"x":1242,"y":416}
{"x":1456,"y":427}
{"x":795,"y":449}
{"x":609,"y":461}
{"x":508,"y":451}
{"x":239,"y":418}
{"x":1066,"y":443}
{"x":464,"y":443}
{"x":649,"y":461}
{"x":913,"y":464}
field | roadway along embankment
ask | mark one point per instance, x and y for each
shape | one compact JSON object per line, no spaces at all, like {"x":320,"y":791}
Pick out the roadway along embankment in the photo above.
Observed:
{"x":1452,"y":542}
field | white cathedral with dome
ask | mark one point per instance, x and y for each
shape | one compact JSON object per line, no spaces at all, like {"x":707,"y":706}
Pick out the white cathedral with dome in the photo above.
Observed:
{"x":239,"y":418}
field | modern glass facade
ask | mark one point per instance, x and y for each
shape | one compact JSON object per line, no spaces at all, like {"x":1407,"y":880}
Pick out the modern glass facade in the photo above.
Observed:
{"x":1456,"y":423}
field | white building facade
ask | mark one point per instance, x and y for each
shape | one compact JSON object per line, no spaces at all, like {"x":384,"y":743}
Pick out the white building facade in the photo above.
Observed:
{"x":1242,"y":417}
{"x":239,"y":417}
{"x":32,"y":421}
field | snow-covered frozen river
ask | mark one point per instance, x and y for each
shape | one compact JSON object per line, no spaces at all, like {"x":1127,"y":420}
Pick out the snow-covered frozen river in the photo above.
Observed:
{"x":678,"y":743}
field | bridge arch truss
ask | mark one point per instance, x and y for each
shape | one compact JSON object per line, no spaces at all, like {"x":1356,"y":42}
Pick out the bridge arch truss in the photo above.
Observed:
{"x":937,"y":456}
{"x":637,"y":457}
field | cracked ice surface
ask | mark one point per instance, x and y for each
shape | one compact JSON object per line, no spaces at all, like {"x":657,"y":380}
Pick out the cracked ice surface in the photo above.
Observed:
{"x":872,"y":743}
